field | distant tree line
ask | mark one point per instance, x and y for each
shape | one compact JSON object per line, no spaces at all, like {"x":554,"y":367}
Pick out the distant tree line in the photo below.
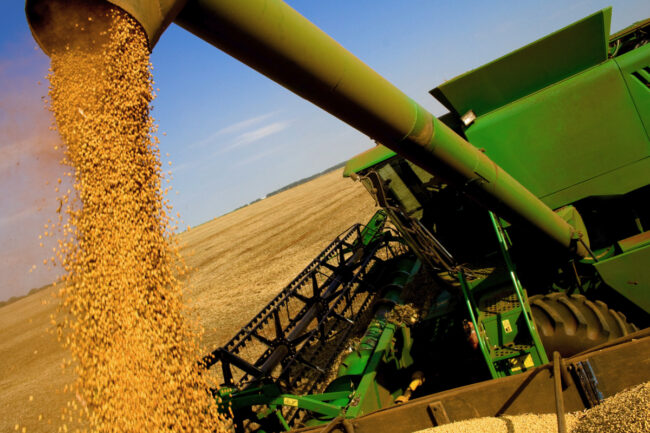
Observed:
{"x":294,"y":184}
{"x":18,"y":298}
{"x":305,"y":180}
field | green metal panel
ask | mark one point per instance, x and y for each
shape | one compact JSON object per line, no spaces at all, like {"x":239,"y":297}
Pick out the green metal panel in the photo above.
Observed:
{"x":495,"y":327}
{"x":367,"y":159}
{"x":634,"y":242}
{"x":373,"y":229}
{"x":402,"y":192}
{"x":629,"y":274}
{"x":529,"y":69}
{"x":620,"y":181}
{"x":635,"y":68}
{"x":567,"y":134}
{"x":366,"y":392}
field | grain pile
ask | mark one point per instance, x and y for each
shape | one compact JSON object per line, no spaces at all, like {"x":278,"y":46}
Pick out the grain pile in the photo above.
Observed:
{"x":529,"y":423}
{"x":134,"y":348}
{"x":627,"y":411}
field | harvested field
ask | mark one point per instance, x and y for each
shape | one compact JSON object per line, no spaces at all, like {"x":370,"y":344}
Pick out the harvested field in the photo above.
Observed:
{"x":30,"y":365}
{"x":240,"y":261}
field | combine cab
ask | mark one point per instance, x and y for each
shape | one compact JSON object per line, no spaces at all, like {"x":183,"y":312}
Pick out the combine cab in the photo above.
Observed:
{"x":513,"y":231}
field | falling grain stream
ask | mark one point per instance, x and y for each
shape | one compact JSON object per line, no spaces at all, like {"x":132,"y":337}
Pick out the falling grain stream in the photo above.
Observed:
{"x":133,"y":345}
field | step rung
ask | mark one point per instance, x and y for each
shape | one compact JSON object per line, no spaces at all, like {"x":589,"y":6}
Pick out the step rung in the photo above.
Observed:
{"x":503,"y":353}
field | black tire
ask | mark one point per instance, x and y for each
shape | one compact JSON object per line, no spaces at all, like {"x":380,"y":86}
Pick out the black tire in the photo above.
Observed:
{"x":572,"y":324}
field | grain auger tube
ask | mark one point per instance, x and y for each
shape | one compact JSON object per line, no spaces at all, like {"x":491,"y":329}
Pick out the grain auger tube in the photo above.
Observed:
{"x":280,"y":43}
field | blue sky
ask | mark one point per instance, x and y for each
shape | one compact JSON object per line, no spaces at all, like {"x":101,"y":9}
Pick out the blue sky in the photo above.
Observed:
{"x":233,"y":135}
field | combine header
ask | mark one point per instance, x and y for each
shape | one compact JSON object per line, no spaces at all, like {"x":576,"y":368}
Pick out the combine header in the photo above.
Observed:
{"x":293,"y":342}
{"x":521,"y":230}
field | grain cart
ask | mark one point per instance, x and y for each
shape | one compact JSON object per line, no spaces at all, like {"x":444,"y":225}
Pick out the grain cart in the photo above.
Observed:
{"x":508,"y":225}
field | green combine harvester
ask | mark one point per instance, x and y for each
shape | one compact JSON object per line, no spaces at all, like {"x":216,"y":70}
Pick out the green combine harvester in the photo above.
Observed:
{"x":514,"y":230}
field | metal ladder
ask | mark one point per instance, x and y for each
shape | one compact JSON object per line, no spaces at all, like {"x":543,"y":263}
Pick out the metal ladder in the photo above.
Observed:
{"x":500,"y":314}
